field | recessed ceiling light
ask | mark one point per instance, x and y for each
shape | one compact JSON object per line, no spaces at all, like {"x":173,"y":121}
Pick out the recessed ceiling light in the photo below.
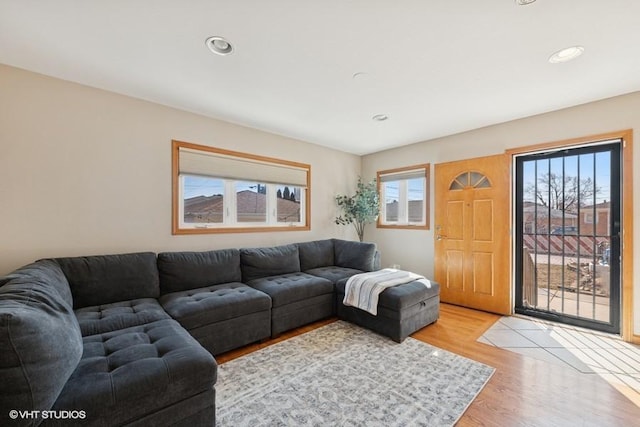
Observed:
{"x":380,"y":117}
{"x":524,"y":2}
{"x":566,"y":54}
{"x":219,"y":45}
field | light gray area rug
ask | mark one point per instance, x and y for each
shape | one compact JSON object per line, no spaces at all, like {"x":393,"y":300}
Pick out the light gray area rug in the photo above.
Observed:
{"x":344,"y":375}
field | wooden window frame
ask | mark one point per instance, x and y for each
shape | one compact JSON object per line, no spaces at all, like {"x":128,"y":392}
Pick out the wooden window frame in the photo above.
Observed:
{"x":426,"y":202}
{"x":177,"y":229}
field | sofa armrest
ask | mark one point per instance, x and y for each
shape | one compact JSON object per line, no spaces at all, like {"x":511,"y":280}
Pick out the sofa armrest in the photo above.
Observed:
{"x":376,"y":261}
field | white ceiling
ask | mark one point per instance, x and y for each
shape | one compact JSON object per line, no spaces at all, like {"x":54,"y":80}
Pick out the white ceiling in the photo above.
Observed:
{"x":435,"y":67}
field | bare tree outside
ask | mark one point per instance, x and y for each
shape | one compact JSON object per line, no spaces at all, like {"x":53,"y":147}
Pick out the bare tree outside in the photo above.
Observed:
{"x":554,"y":192}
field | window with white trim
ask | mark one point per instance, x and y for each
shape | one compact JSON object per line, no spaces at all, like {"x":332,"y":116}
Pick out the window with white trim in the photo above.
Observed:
{"x":404,"y":197}
{"x":589,"y":218}
{"x":219,"y":190}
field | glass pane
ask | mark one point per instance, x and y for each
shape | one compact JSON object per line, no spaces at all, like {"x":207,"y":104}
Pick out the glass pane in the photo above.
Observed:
{"x":391,"y":195}
{"x":566,"y":249}
{"x":455,"y":185}
{"x":463,"y":179}
{"x":602,"y":211}
{"x":251,"y":201}
{"x":483,"y":183}
{"x":586,"y":192}
{"x":415,"y":190}
{"x":528,"y":198}
{"x":288,"y":203}
{"x":474,"y":178}
{"x":203,"y":200}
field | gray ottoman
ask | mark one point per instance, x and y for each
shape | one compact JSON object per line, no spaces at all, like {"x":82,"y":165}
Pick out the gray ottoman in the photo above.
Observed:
{"x":402,"y":309}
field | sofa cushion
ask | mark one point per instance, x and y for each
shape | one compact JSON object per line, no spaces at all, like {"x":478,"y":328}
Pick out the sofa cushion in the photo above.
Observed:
{"x":45,"y":272}
{"x":40,"y":339}
{"x":318,"y":253}
{"x":129,"y":373}
{"x":180,"y":271}
{"x":99,"y":319}
{"x":264,"y":262}
{"x":333,"y":273}
{"x":104,"y":279}
{"x":287,"y":288}
{"x":199,"y":307}
{"x":357,"y":255}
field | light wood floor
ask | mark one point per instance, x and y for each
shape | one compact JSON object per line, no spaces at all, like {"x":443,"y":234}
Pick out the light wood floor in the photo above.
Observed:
{"x":523,"y":391}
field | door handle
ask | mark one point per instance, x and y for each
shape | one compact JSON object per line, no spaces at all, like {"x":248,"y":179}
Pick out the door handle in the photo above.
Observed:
{"x":440,"y":237}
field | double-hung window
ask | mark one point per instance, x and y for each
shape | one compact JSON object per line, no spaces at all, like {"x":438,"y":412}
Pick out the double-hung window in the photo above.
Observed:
{"x":404,"y":197}
{"x":216,"y":190}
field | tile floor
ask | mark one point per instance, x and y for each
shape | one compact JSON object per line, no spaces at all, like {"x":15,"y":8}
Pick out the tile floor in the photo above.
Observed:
{"x":568,"y":303}
{"x":586,"y":351}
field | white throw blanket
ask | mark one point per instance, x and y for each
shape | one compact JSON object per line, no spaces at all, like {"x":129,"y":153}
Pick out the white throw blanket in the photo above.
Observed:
{"x":363,"y":290}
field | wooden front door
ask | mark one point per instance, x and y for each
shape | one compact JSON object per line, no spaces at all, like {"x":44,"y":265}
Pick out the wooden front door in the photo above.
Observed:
{"x":472,"y":233}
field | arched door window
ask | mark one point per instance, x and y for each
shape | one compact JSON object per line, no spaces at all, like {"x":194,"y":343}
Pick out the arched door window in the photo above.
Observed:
{"x":470,"y":180}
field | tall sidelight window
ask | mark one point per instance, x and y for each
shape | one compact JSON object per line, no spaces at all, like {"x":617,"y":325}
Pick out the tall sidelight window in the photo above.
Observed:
{"x":217,"y":191}
{"x":405,"y":198}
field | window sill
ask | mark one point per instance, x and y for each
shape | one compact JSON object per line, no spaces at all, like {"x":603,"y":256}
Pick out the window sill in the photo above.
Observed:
{"x":214,"y":230}
{"x":404,"y":226}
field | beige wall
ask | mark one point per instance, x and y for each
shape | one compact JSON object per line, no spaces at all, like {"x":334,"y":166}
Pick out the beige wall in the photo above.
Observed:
{"x":84,"y":171}
{"x":413,"y":250}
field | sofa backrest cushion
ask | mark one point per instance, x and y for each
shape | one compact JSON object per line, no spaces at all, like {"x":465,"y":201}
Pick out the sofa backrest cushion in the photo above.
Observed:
{"x":104,"y":279}
{"x":316,"y":254}
{"x":39,"y":337}
{"x":263,"y":262}
{"x":181,"y":271}
{"x":357,"y":255}
{"x":44,"y":271}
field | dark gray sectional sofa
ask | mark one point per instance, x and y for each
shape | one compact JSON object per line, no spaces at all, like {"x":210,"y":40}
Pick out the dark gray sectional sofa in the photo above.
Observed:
{"x":85,"y":339}
{"x":128,"y":339}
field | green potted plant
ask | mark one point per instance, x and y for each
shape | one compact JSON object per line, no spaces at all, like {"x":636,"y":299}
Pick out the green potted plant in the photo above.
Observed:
{"x":360,"y":209}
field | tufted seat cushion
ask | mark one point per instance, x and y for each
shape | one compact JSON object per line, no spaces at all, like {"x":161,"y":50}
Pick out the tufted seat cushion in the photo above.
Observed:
{"x":198,"y":307}
{"x":126,"y":374}
{"x":288,"y":288}
{"x":99,"y":319}
{"x":333,"y":272}
{"x":297,"y":299}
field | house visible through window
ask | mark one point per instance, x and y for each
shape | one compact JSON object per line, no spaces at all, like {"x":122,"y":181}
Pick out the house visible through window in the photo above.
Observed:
{"x":224,"y":191}
{"x":404,"y":197}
